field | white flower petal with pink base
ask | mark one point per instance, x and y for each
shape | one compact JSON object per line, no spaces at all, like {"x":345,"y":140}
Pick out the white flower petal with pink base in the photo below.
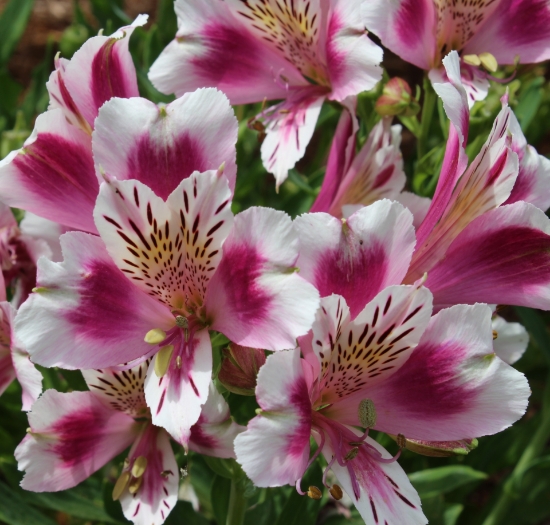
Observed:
{"x":407,"y":27}
{"x":214,"y":433}
{"x":214,"y":48}
{"x":452,"y":387}
{"x":382,"y":492}
{"x":53,"y":174}
{"x":256,"y":298}
{"x":274,"y":450}
{"x":507,"y":245}
{"x":416,"y":204}
{"x":353,"y":59}
{"x":175,"y":399}
{"x":289,"y":129}
{"x":101,"y":69}
{"x":28,"y":376}
{"x":360,"y":257}
{"x":161,"y":146}
{"x":533,"y":182}
{"x":170,"y":249}
{"x":38,"y":228}
{"x":158,"y":492}
{"x":375,"y":345}
{"x":516,"y":27}
{"x":72,"y":435}
{"x":511,"y":340}
{"x":86,"y":313}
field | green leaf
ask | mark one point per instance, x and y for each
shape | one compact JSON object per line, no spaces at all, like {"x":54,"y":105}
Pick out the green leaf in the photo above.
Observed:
{"x":452,"y":513}
{"x":14,"y":510}
{"x":183,"y":514}
{"x":13,"y":22}
{"x":536,"y":327}
{"x":432,"y":482}
{"x":221,"y":489}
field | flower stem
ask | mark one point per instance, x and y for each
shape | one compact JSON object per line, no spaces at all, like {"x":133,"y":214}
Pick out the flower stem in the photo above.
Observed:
{"x":237,"y":503}
{"x":509,"y":493}
{"x":430,"y":99}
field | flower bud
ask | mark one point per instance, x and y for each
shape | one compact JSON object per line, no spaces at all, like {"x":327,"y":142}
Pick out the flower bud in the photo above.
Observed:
{"x":437,"y":449}
{"x":239,"y":369}
{"x":397,"y":99}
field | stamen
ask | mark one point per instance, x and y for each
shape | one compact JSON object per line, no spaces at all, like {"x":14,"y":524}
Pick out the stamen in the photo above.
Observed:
{"x":495,"y":334}
{"x":330,"y":463}
{"x":314,"y":493}
{"x":367,"y":413}
{"x":139,"y":466}
{"x":352,"y":454}
{"x":162,"y":360}
{"x":182,"y":322}
{"x":155,"y":336}
{"x":336,"y":492}
{"x":134,"y":485}
{"x":120,"y":485}
{"x":472,"y":60}
{"x":178,"y":361}
{"x":488,"y":61}
{"x":401,"y":441}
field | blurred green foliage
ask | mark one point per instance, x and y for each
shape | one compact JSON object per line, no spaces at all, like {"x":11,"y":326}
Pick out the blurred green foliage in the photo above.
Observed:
{"x":454,"y":491}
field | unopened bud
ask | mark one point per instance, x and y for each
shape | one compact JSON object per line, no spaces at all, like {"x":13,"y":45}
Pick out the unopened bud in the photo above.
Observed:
{"x":336,"y":492}
{"x":240,"y":368}
{"x":397,"y":99}
{"x":314,"y":493}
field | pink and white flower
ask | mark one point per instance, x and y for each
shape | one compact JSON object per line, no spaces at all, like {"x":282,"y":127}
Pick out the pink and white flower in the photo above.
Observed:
{"x":73,"y":435}
{"x":162,"y":273}
{"x":392,"y":368}
{"x":485,"y":33}
{"x":53,"y":174}
{"x":472,"y":243}
{"x":303,"y":52}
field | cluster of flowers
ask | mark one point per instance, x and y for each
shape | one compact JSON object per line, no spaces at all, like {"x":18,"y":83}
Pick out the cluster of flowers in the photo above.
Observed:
{"x":375,"y":304}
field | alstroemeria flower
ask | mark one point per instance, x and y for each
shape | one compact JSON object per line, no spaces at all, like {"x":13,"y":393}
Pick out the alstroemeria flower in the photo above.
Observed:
{"x":391,"y":368}
{"x":486,"y":34}
{"x":53,"y":174}
{"x":161,"y":274}
{"x":14,"y":360}
{"x":510,"y":339}
{"x":73,"y":435}
{"x":302,"y":52}
{"x":471,"y":245}
{"x":353,"y":180}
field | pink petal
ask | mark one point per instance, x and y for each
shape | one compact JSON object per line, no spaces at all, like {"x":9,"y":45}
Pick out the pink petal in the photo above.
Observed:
{"x":214,"y":433}
{"x":53,"y":174}
{"x":256,"y":298}
{"x":507,"y":245}
{"x":385,"y":495}
{"x":72,"y":435}
{"x":357,"y":259}
{"x":158,"y":493}
{"x":169,"y":250}
{"x":375,"y":345}
{"x":101,"y":69}
{"x":486,"y":184}
{"x":376,"y":171}
{"x":452,"y":387}
{"x":406,"y":27}
{"x":274,"y":451}
{"x":214,"y":48}
{"x":511,"y":341}
{"x":161,"y":146}
{"x":86,"y":313}
{"x":516,"y":27}
{"x":353,"y":59}
{"x":175,"y":399}
{"x":7,"y":372}
{"x":289,"y":128}
{"x":341,"y":154}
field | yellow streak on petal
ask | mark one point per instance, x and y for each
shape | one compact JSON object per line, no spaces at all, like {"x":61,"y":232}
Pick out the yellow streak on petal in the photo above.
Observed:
{"x":472,"y":60}
{"x":162,"y":360}
{"x":120,"y":485}
{"x":489,"y":62}
{"x":155,"y":336}
{"x":139,"y":466}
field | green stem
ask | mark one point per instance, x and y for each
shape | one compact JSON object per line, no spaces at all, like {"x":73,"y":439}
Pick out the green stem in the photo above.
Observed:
{"x":430,"y":99}
{"x":498,"y":514}
{"x":237,"y":503}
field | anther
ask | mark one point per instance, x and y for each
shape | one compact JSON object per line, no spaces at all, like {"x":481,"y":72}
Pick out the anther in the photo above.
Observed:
{"x":120,"y":485}
{"x":367,"y":413}
{"x":181,"y":321}
{"x":155,"y":336}
{"x":336,"y":492}
{"x":488,"y":61}
{"x":162,"y":360}
{"x":351,"y":454}
{"x":178,"y":361}
{"x":401,"y":441}
{"x":356,"y":443}
{"x":139,"y":466}
{"x":134,"y":484}
{"x":165,"y":473}
{"x":495,"y":334}
{"x":472,"y":60}
{"x":314,"y":493}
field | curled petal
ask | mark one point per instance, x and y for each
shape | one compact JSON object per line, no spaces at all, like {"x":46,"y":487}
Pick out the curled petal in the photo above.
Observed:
{"x":511,"y":340}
